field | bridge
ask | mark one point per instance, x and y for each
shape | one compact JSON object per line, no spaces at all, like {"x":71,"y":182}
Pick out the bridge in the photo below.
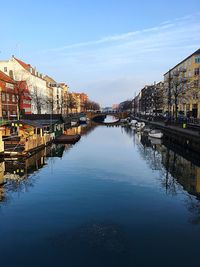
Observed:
{"x":100,"y":116}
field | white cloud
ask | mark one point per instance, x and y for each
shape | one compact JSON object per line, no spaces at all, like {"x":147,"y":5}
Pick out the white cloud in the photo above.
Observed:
{"x":120,"y":64}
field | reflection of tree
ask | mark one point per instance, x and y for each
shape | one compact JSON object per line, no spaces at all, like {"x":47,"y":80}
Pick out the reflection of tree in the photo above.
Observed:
{"x":168,"y":180}
{"x":176,"y":174}
{"x":87,"y":129}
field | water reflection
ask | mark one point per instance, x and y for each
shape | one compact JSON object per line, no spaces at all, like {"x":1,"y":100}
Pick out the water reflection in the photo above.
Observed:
{"x":113,"y":198}
{"x":18,"y":175}
{"x":110,"y":119}
{"x":176,"y":172}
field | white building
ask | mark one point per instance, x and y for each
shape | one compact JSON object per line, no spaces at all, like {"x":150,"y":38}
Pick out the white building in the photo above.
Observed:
{"x":57,"y":101}
{"x":20,"y":71}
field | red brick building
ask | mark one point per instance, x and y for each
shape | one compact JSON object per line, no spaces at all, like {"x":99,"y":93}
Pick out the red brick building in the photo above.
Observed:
{"x":23,"y":96}
{"x":14,"y":97}
{"x":8,"y":100}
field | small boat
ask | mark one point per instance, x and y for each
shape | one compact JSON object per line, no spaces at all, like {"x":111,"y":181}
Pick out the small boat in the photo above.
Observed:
{"x":83,"y":120}
{"x":156,"y":134}
{"x":67,"y":139}
{"x":133,"y":123}
{"x":73,"y":123}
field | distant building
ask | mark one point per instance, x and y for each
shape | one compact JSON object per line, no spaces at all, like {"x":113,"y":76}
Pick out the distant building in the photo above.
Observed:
{"x":146,"y":100}
{"x":115,"y":106}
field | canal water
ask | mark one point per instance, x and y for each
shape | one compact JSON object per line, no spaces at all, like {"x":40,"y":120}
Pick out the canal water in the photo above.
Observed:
{"x":115,"y":198}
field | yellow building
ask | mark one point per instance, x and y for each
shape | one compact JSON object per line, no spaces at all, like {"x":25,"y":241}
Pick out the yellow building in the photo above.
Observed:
{"x":182,"y":85}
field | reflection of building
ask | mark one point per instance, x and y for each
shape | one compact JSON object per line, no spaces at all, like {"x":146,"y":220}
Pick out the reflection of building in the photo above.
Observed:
{"x":175,"y":169}
{"x":2,"y":169}
{"x":186,"y":173}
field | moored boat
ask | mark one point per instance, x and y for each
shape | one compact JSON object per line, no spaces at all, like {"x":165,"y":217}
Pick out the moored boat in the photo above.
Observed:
{"x":156,"y":134}
{"x":74,"y":123}
{"x":83,"y":120}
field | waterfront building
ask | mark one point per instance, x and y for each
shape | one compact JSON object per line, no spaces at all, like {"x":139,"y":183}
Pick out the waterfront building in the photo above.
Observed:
{"x":21,"y":71}
{"x":146,"y":100}
{"x":8,"y":100}
{"x":65,"y":91}
{"x":182,"y":87}
{"x":56,"y":102}
{"x":149,"y":101}
{"x":76,"y":102}
{"x":136,"y":104}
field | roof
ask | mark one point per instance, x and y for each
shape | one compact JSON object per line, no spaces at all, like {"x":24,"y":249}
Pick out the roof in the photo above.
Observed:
{"x":44,"y":118}
{"x":5,"y":78}
{"x":28,"y":67}
{"x":49,"y":79}
{"x":23,"y":64}
{"x":197,"y":52}
{"x":34,"y":124}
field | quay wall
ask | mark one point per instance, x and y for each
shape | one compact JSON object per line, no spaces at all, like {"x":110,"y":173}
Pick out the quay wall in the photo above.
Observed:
{"x":186,"y":138}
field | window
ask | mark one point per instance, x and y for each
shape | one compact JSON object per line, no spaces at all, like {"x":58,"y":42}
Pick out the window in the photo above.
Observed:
{"x":13,"y":98}
{"x":5,"y":69}
{"x":4,"y":113}
{"x":3,"y":97}
{"x":197,"y":60}
{"x":14,"y":112}
{"x":11,"y":74}
{"x":196,"y":71}
{"x":7,"y":97}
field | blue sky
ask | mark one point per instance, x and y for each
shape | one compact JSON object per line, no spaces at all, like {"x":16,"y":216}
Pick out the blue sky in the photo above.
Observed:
{"x":108,"y":49}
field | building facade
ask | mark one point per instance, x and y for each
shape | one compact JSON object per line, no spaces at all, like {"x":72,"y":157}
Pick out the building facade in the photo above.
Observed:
{"x":57,"y":100}
{"x":8,"y":99}
{"x":182,"y":87}
{"x":20,"y":71}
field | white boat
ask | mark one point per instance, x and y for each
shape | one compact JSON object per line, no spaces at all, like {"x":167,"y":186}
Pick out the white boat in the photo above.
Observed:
{"x":73,"y":123}
{"x":133,"y":123}
{"x":83,"y":119}
{"x":156,"y":134}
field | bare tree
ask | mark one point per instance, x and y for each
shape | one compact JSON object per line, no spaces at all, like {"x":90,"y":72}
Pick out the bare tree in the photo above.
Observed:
{"x":71,"y":103}
{"x":21,"y":93}
{"x":37,"y":100}
{"x":178,"y":82}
